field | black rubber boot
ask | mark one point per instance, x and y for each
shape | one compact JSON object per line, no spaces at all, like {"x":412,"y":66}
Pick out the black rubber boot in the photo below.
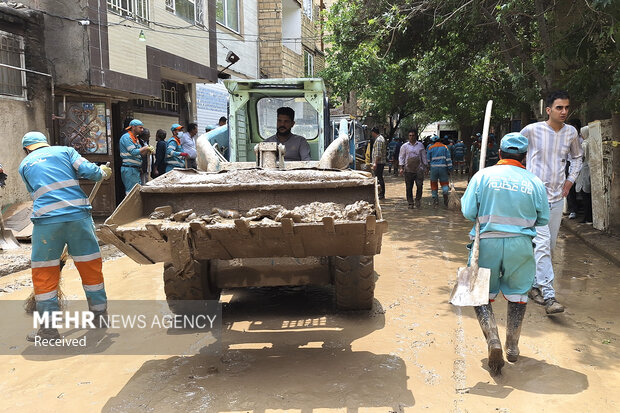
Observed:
{"x":445,"y":199}
{"x":44,"y":334}
{"x":516,"y":312}
{"x":486,"y":318}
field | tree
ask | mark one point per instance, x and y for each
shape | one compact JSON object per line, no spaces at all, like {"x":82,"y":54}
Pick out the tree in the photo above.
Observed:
{"x":456,"y":54}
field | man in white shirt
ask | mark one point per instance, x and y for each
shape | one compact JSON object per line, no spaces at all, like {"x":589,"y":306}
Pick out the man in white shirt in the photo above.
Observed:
{"x":550,"y":145}
{"x":189,"y":144}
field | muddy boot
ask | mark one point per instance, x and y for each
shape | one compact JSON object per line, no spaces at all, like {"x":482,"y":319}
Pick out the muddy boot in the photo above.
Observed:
{"x":552,"y":306}
{"x":536,"y":296}
{"x":435,"y":202}
{"x":44,"y":333}
{"x":516,"y":312}
{"x":445,"y":199}
{"x":489,"y":328}
{"x":418,"y":204}
{"x":101,"y":319}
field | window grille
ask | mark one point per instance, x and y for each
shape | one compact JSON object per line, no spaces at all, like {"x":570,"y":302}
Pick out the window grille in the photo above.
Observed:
{"x":137,"y":10}
{"x":12,"y":81}
{"x":170,"y":5}
{"x":192,"y":11}
{"x":308,"y":9}
{"x":168,"y":101}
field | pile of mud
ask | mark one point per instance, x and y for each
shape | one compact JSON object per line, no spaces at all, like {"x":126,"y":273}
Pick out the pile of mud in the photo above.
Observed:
{"x":245,"y":176}
{"x":313,"y":212}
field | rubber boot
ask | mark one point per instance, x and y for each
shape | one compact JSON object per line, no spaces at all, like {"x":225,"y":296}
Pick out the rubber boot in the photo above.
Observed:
{"x":516,"y":312}
{"x":418,"y":203}
{"x":445,"y":199}
{"x":486,"y":318}
{"x":44,"y":334}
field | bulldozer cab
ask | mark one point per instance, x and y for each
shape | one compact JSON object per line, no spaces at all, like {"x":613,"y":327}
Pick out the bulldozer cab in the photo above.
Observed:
{"x":253,"y":106}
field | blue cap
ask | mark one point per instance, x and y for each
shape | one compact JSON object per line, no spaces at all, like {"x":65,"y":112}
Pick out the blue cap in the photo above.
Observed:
{"x":434,"y":138}
{"x":34,"y":140}
{"x":175,"y":126}
{"x":514,"y":143}
{"x":134,"y":122}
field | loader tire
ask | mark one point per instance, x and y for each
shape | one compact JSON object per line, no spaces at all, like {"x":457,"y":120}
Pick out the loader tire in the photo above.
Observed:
{"x":178,"y":287}
{"x":354,"y":281}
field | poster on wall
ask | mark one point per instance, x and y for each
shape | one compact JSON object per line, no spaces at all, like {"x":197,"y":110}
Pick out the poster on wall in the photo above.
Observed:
{"x":84,"y":127}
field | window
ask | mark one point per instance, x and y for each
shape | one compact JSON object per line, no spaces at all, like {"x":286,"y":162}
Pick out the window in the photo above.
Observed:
{"x":308,"y":64}
{"x":306,"y":117}
{"x":169,"y":100}
{"x":308,"y":9}
{"x":137,"y":10}
{"x":227,"y":13}
{"x":189,"y":10}
{"x":12,"y":81}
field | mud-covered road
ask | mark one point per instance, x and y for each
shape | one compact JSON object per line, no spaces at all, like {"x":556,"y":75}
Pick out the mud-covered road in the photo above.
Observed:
{"x":289,"y":350}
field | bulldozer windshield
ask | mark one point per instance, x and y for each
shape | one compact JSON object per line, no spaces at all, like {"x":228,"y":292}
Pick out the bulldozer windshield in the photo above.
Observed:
{"x":306,"y":117}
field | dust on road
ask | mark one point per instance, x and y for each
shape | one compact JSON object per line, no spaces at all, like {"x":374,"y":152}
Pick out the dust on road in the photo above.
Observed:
{"x":288,"y":349}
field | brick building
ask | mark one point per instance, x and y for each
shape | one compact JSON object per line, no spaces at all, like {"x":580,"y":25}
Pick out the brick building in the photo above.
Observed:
{"x":290,"y":38}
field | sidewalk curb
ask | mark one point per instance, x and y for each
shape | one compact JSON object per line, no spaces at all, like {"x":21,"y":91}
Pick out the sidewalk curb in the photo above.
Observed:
{"x":588,"y":239}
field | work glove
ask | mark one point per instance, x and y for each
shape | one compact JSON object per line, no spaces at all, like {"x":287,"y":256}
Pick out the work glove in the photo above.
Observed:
{"x":106,"y":171}
{"x":184,"y":154}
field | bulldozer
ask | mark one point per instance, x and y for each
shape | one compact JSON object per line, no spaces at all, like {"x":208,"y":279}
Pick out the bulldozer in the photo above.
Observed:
{"x":256,"y":220}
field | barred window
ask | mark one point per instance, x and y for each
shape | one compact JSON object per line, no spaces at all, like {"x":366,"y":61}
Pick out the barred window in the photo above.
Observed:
{"x":308,"y":9}
{"x":12,"y":81}
{"x":191,"y":11}
{"x":168,"y":101}
{"x":137,"y":10}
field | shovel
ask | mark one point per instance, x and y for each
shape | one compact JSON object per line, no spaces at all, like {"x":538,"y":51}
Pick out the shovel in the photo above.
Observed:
{"x":472,"y":282}
{"x":7,"y":239}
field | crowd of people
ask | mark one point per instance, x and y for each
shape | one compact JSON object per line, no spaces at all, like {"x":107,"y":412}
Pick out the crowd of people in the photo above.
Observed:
{"x":142,"y":162}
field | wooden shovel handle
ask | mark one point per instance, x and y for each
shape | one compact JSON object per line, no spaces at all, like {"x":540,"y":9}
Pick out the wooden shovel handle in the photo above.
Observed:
{"x":483,"y":154}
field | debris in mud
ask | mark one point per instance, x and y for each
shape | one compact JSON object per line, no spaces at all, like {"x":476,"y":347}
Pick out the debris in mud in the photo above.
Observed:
{"x":271,"y":214}
{"x":313,"y":212}
{"x":182,"y":215}
{"x":226,"y":213}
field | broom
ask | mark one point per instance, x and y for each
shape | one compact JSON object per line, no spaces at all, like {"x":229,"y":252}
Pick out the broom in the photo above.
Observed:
{"x":30,"y":304}
{"x":454,"y":200}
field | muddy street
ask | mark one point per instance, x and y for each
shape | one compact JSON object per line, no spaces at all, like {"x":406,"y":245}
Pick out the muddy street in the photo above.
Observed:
{"x":287,"y":349}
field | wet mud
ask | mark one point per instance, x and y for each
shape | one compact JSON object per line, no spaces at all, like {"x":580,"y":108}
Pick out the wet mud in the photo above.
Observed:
{"x":288,"y":349}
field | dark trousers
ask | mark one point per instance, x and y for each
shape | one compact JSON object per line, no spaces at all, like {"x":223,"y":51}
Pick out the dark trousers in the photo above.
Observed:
{"x":587,"y":206}
{"x":410,"y":178}
{"x":571,"y":200}
{"x":379,"y":175}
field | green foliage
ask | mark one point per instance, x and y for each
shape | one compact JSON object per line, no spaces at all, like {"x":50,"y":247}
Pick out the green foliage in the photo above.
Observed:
{"x":443,"y":59}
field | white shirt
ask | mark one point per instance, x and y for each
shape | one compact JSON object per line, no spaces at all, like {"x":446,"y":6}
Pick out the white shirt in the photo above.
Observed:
{"x":547,"y":153}
{"x":189,"y":145}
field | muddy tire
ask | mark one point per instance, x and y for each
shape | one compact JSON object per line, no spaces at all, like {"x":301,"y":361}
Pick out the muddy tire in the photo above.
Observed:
{"x":354,"y":281}
{"x":179,"y":288}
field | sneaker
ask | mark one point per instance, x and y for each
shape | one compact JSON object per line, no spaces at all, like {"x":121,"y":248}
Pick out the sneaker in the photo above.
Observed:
{"x":552,"y":306}
{"x":44,"y":333}
{"x":536,"y":296}
{"x":572,"y":215}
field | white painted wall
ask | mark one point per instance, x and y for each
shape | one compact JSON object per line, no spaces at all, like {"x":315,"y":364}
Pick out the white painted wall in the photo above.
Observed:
{"x":243,"y":44}
{"x":291,"y":25}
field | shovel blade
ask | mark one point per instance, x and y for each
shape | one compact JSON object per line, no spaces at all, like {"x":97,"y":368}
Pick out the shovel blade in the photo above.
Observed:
{"x":471,"y":288}
{"x":8,"y":241}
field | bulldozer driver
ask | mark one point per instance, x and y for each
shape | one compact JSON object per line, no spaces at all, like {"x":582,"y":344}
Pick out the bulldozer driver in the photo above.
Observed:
{"x":61,"y":216}
{"x":297,"y":148}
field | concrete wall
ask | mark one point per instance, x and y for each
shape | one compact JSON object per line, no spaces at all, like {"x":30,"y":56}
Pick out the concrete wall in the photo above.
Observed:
{"x":66,"y":42}
{"x":19,"y":115}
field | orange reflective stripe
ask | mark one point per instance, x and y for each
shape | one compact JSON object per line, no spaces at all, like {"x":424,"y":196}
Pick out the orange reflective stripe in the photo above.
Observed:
{"x":45,"y":279}
{"x":444,"y":183}
{"x":434,"y":185}
{"x":90,"y":271}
